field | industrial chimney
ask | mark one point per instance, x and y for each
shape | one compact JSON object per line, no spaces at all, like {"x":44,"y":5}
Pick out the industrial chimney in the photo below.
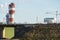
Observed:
{"x":10,"y":16}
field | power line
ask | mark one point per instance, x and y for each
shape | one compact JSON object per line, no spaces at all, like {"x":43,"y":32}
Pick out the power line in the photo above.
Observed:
{"x":56,"y":13}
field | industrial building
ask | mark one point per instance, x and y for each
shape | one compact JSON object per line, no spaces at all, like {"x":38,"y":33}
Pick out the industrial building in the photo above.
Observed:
{"x":49,"y":20}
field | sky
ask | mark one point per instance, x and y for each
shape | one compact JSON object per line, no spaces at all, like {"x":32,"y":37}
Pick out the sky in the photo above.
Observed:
{"x":30,"y":11}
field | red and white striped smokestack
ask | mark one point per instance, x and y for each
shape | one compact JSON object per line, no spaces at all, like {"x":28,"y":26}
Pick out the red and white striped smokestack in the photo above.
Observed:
{"x":11,"y":13}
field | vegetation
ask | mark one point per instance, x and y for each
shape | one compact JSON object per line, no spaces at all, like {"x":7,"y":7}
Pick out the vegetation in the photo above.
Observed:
{"x":40,"y":32}
{"x":37,"y":32}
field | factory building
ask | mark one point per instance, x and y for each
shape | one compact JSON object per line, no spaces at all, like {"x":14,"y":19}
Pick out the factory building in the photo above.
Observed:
{"x":49,"y":20}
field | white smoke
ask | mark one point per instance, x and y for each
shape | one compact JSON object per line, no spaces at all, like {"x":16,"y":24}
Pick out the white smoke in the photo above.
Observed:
{"x":1,"y":5}
{"x":6,"y":4}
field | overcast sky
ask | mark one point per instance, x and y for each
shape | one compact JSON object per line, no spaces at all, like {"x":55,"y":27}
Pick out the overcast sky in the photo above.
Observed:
{"x":30,"y":10}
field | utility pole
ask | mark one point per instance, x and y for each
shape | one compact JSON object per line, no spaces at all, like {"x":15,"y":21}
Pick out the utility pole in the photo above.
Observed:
{"x":37,"y":19}
{"x":56,"y":15}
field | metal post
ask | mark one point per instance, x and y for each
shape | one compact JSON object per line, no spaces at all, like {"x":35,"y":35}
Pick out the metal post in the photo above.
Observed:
{"x":37,"y":19}
{"x":56,"y":15}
